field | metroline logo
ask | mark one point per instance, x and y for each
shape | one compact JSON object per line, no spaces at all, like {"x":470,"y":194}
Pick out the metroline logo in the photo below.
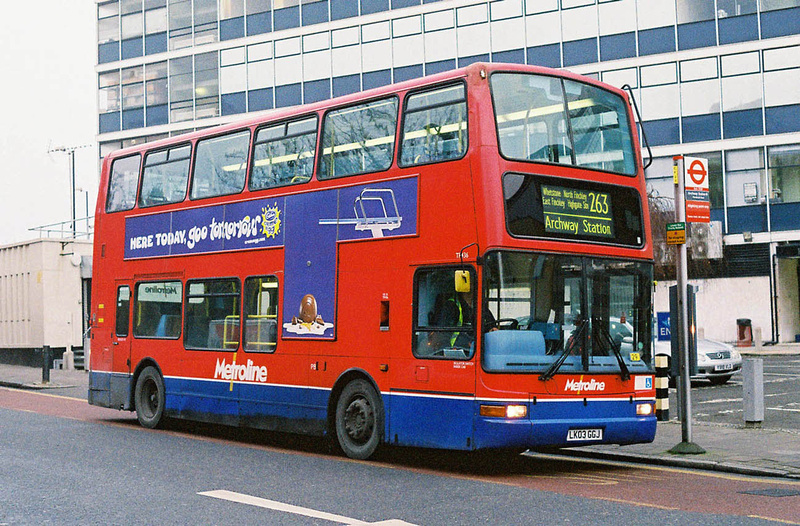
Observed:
{"x":579,"y":385}
{"x":244,"y":373}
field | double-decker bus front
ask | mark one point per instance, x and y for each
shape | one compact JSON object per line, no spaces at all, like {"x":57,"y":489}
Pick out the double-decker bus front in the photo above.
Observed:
{"x":565,"y":327}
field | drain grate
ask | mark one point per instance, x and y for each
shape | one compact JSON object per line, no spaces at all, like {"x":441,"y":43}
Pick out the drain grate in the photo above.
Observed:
{"x":773,"y":492}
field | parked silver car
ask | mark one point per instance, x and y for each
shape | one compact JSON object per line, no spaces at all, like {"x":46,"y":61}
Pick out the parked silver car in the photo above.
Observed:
{"x":716,"y":361}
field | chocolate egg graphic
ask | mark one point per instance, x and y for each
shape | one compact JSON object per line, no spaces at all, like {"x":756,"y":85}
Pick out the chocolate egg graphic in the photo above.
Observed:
{"x":308,"y":311}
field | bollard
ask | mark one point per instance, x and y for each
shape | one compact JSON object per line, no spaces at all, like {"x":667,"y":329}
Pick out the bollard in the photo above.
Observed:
{"x":753,"y":391}
{"x":662,"y":387}
{"x":46,"y":356}
{"x":758,"y":338}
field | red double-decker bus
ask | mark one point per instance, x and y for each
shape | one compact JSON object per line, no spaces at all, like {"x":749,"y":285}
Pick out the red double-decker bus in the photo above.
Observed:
{"x":461,"y":261}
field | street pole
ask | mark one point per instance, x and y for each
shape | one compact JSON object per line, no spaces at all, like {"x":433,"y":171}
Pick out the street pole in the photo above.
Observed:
{"x":681,"y":266}
{"x":71,"y":154}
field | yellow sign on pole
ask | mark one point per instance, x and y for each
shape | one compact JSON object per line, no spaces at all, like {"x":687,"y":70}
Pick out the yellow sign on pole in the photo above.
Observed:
{"x":676,"y":233}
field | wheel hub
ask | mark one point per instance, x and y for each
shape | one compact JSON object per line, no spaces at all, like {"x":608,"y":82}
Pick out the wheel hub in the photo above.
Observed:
{"x":359,"y":420}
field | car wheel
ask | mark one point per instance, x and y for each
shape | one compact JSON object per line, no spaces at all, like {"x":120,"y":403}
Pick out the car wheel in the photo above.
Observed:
{"x":149,"y":397}
{"x":719,"y":380}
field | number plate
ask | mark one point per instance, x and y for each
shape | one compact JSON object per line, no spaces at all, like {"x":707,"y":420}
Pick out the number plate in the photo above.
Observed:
{"x":725,"y":367}
{"x":584,"y":434}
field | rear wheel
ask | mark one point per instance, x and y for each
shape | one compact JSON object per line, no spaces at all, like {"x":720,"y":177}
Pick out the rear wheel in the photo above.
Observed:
{"x":359,"y":420}
{"x":149,"y":398}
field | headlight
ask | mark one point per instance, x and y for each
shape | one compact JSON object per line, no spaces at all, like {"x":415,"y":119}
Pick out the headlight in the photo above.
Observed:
{"x":644,"y":409}
{"x":735,"y":355}
{"x":702,"y":358}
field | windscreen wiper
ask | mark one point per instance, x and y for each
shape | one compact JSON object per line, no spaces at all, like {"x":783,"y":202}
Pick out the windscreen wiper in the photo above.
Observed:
{"x":576,"y":336}
{"x":623,"y":369}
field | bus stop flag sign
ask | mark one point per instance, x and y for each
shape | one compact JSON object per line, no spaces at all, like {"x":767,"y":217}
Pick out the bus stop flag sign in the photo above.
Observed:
{"x":698,"y":204}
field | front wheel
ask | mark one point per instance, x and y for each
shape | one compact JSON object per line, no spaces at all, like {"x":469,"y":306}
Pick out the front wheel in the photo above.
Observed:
{"x":149,"y":398}
{"x":359,"y":420}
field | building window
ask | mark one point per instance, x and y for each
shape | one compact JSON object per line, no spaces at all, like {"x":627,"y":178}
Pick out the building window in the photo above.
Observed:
{"x":181,"y":89}
{"x":206,"y":85}
{"x":745,"y":177}
{"x":784,"y":169}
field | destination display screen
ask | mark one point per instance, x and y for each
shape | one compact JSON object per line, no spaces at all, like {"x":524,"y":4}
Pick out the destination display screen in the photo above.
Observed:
{"x":572,"y":210}
{"x":577,"y":212}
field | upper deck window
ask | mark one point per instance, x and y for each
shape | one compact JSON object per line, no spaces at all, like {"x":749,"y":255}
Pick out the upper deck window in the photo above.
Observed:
{"x":552,"y":120}
{"x":221,"y":165}
{"x":358,"y":139}
{"x":435,"y":126}
{"x":122,"y":184}
{"x":165,"y":176}
{"x":284,"y":154}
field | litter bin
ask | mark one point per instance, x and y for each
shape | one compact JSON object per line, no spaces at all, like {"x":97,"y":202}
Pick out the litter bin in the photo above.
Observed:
{"x":745,"y":332}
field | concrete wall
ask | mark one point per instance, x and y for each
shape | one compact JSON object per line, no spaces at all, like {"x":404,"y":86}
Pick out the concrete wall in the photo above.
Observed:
{"x":720,"y":302}
{"x":40,"y":293}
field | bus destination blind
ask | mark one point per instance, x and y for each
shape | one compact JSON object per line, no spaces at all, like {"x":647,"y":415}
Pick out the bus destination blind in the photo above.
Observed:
{"x":577,"y":212}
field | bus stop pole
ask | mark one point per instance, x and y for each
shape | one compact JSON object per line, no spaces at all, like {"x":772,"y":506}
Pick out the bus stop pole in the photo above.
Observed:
{"x":681,"y":266}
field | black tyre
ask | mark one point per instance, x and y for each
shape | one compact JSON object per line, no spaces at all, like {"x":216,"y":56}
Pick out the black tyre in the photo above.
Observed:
{"x":719,"y":380}
{"x":149,"y":398}
{"x":359,"y":420}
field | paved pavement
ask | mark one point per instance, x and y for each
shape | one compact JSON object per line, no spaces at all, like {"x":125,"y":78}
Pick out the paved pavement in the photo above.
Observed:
{"x":729,"y":448}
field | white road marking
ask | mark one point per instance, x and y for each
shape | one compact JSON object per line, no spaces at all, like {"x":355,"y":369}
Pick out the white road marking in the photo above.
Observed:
{"x":297,"y":510}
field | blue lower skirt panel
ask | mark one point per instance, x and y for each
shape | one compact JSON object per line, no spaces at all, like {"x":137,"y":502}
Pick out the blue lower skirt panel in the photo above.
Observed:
{"x":420,"y":420}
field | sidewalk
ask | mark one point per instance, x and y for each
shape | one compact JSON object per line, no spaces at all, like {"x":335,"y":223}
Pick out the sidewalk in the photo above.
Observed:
{"x":732,"y":449}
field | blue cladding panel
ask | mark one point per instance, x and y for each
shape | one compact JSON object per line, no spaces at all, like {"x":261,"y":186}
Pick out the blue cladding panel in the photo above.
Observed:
{"x":407,"y":73}
{"x":316,"y":90}
{"x":738,"y":29}
{"x":158,"y":114}
{"x":108,"y":52}
{"x":780,"y":23}
{"x":430,"y":422}
{"x":662,"y":132}
{"x":742,"y":123}
{"x":132,"y":119}
{"x":580,"y":52}
{"x":399,"y":4}
{"x":658,"y":40}
{"x":783,"y":216}
{"x":132,"y":48}
{"x":155,"y":43}
{"x":231,"y":28}
{"x":376,"y":79}
{"x":783,"y":119}
{"x":259,"y":99}
{"x":513,"y":56}
{"x":286,"y":18}
{"x":233,"y":103}
{"x":548,"y":56}
{"x":258,"y":23}
{"x":109,"y":122}
{"x":747,"y":219}
{"x":699,"y":128}
{"x":613,"y":47}
{"x":346,"y":85}
{"x":289,"y":95}
{"x":439,"y":66}
{"x":315,"y":13}
{"x":697,"y":34}
{"x":466,"y":61}
{"x":343,"y":9}
{"x":373,"y":6}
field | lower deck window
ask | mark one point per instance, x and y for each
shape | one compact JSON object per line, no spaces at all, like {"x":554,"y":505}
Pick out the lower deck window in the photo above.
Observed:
{"x":261,"y":314}
{"x":157,"y":313}
{"x":212,"y":314}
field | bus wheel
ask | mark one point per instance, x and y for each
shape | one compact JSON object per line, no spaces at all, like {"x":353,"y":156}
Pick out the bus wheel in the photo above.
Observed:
{"x":359,"y":420}
{"x":149,"y":397}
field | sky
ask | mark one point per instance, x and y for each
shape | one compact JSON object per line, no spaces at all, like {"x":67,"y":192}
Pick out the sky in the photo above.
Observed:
{"x":49,"y":100}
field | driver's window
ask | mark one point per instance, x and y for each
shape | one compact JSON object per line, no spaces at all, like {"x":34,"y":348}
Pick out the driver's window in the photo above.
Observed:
{"x":444,"y":313}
